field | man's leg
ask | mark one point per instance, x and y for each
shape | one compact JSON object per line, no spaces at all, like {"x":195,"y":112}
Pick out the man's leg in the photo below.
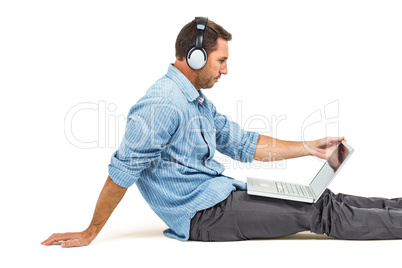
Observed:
{"x":242,"y":217}
{"x":369,"y":202}
{"x":358,"y":218}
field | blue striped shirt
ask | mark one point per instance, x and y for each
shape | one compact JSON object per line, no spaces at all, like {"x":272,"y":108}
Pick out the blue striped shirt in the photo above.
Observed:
{"x":168,"y":148}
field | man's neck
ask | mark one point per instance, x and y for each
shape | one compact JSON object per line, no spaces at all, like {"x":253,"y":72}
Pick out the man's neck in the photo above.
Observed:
{"x":186,"y":71}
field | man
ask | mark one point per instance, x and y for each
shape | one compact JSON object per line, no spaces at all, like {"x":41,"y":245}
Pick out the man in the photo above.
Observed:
{"x":171,"y":137}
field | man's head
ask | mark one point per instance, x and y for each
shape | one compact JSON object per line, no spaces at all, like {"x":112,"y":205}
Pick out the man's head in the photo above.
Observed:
{"x":215,"y":42}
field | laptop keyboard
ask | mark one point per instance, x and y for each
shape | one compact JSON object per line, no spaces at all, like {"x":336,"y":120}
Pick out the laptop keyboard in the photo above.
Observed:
{"x":293,"y":189}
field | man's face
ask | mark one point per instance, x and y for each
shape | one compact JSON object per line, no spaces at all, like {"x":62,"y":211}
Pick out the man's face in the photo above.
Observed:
{"x":215,"y":67}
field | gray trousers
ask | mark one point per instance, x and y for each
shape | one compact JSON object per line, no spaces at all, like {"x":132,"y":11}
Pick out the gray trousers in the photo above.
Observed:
{"x":242,"y":217}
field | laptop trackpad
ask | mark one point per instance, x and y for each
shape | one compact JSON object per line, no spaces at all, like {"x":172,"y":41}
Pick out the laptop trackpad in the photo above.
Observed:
{"x":265,"y":185}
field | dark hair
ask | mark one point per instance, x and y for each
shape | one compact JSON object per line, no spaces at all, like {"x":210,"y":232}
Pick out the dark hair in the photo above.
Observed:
{"x":186,"y":38}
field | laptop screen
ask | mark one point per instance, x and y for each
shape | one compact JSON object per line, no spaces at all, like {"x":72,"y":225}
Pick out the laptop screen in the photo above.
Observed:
{"x":331,"y":167}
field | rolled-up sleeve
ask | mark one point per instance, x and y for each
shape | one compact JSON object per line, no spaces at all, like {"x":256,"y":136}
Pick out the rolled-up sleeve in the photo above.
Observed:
{"x":150,"y":124}
{"x":233,"y":141}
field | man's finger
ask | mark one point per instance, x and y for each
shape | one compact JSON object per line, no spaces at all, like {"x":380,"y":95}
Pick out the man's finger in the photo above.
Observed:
{"x":341,"y":139}
{"x":56,"y":238}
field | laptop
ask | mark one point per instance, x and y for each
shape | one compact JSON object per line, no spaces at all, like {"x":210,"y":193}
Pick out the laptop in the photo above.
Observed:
{"x":303,"y":193}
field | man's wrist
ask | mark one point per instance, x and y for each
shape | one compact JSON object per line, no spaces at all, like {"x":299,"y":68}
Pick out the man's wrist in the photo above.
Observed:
{"x":307,"y":147}
{"x":92,"y":231}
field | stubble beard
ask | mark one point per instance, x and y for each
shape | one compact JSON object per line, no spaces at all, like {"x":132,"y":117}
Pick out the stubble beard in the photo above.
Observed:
{"x":203,"y":79}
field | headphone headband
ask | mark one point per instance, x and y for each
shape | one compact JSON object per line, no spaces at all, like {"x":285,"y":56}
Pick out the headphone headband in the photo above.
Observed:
{"x":201,"y":24}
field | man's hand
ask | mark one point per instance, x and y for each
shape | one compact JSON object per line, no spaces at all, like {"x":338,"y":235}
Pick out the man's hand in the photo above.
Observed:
{"x":323,"y":148}
{"x":71,"y":239}
{"x":109,"y":198}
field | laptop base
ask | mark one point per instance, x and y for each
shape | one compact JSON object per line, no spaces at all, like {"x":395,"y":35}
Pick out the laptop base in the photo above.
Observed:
{"x":281,"y":196}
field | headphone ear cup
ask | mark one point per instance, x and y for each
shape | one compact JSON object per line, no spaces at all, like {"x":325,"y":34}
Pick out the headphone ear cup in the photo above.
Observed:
{"x":196,"y":58}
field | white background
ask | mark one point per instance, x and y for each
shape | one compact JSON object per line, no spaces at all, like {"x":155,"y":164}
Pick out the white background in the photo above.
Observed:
{"x":287,"y":58}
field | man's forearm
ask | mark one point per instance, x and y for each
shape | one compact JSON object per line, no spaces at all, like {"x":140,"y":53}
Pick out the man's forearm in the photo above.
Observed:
{"x":271,"y":149}
{"x":109,"y":198}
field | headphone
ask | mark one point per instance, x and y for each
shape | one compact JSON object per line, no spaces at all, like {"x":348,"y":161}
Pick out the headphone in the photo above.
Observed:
{"x":197,"y":56}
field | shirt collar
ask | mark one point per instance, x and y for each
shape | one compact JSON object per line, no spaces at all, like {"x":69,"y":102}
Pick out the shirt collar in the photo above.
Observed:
{"x":184,"y":84}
